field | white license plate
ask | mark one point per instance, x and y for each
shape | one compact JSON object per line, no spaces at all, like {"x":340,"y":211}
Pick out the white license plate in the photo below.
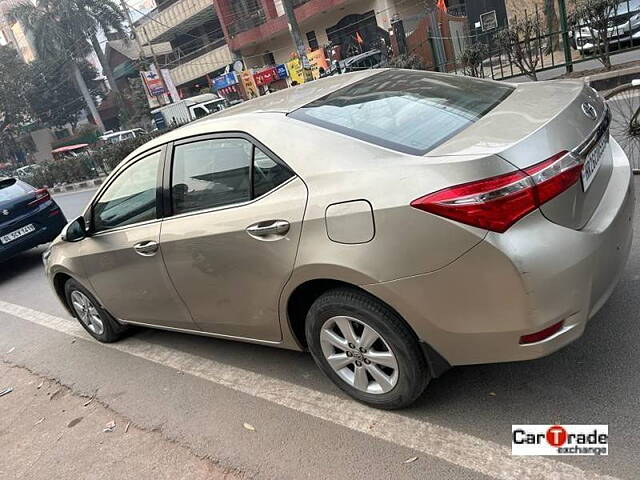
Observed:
{"x":594,"y":161}
{"x":10,"y":237}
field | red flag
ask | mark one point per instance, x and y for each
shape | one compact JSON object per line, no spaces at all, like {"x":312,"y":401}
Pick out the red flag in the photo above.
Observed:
{"x":442,"y":6}
{"x":359,"y":38}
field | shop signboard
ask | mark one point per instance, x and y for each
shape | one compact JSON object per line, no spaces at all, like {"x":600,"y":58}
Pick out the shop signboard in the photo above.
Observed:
{"x":154,"y":83}
{"x":318,"y":60}
{"x":296,"y":73}
{"x":249,"y":84}
{"x":281,"y":70}
{"x":266,"y":76}
{"x":225,"y":81}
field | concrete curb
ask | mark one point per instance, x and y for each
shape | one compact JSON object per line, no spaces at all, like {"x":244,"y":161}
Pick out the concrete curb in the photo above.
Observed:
{"x":609,"y":80}
{"x":74,"y":187}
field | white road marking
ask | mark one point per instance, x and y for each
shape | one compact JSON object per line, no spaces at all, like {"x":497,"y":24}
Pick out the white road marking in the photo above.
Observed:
{"x":458,"y":448}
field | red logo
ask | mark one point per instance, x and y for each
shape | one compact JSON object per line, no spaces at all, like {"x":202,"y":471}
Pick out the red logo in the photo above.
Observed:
{"x":556,"y":436}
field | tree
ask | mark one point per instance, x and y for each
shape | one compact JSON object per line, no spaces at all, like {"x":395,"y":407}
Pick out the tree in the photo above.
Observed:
{"x":138,"y":112}
{"x":54,"y":98}
{"x":64,"y":29}
{"x":471,"y":59}
{"x":552,"y":25}
{"x":14,"y":111}
{"x":597,"y":15}
{"x":520,"y":42}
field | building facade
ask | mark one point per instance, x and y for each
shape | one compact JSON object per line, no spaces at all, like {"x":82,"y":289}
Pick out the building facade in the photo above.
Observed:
{"x":14,"y":34}
{"x":257,"y":30}
{"x":198,"y":46}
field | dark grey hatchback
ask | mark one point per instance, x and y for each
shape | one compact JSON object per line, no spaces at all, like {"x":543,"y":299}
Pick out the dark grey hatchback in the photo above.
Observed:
{"x":28,"y":217}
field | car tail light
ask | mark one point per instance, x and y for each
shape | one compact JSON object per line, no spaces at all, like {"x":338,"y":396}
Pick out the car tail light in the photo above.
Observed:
{"x":542,"y":334}
{"x":42,"y":195}
{"x":497,"y":203}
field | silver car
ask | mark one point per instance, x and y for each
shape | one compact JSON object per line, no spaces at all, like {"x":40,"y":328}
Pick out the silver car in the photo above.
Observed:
{"x":394,"y":223}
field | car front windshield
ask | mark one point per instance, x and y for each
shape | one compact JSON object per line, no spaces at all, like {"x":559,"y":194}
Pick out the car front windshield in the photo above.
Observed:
{"x":408,"y":111}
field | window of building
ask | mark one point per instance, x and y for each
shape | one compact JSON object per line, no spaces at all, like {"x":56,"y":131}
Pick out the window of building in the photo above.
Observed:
{"x":313,"y":40}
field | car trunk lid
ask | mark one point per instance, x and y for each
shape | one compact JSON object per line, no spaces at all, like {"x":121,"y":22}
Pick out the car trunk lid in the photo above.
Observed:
{"x":536,"y":122}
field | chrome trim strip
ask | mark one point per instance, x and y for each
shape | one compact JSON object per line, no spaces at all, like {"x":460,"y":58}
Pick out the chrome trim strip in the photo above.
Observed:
{"x":201,"y":333}
{"x":585,"y":147}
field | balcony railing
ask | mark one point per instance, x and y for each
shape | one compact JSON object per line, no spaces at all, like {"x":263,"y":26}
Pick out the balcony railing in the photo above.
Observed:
{"x":173,"y":16}
{"x":247,"y":23}
{"x":200,"y":63}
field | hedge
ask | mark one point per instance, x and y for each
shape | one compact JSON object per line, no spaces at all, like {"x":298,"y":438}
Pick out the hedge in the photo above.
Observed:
{"x":86,"y":166}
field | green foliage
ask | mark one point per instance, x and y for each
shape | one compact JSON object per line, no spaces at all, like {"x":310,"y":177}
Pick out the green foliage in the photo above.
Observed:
{"x":136,"y":99}
{"x":88,"y":165}
{"x":14,"y":111}
{"x":54,"y":98}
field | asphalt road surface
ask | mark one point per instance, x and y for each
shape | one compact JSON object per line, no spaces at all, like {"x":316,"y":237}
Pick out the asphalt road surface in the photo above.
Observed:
{"x":199,"y":392}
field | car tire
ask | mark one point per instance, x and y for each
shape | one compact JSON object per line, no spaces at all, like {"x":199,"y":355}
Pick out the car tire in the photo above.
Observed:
{"x":99,"y":323}
{"x":353,"y":365}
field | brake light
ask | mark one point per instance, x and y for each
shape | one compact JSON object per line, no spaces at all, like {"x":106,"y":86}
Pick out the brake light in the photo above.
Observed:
{"x":42,"y":195}
{"x":542,"y":334}
{"x":497,"y":203}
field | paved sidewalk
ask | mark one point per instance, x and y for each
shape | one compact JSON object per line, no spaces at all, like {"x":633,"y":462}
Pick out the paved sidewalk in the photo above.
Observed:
{"x":47,"y":432}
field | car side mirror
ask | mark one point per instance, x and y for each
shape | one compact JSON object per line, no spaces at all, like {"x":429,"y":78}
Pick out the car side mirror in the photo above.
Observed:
{"x":75,"y":230}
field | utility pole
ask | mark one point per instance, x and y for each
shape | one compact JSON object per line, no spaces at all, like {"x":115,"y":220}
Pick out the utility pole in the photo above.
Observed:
{"x":157,"y":64}
{"x":133,"y":30}
{"x":123,"y":3}
{"x":296,"y":36}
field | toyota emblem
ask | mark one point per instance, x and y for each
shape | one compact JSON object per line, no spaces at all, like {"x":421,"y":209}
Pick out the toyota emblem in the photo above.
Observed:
{"x":589,"y":110}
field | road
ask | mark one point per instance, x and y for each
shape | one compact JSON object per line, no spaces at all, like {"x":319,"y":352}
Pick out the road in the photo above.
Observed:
{"x":199,"y":392}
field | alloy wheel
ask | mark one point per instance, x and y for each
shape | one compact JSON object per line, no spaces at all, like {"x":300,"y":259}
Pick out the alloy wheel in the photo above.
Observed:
{"x":87,"y":312}
{"x":359,"y":355}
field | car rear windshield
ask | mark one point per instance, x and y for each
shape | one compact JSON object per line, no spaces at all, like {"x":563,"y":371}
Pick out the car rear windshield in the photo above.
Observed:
{"x":408,"y":111}
{"x":11,"y":188}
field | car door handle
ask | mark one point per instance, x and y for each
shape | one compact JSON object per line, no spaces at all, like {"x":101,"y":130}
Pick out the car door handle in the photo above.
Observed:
{"x":266,"y":229}
{"x":146,"y":249}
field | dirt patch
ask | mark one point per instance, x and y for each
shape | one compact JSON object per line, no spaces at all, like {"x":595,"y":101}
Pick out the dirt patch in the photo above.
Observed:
{"x":48,"y":432}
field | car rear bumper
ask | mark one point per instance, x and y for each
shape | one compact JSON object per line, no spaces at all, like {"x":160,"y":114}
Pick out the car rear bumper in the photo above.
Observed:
{"x":48,"y":226}
{"x":536,"y":274}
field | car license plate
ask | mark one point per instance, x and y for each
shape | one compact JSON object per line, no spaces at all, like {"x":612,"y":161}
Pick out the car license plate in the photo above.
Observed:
{"x":594,"y":161}
{"x":16,"y":234}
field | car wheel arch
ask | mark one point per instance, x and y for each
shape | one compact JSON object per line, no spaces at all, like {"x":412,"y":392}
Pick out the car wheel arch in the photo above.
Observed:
{"x":302,"y":297}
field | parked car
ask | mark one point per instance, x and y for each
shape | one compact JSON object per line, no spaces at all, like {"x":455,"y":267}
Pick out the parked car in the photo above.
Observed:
{"x":362,"y":61}
{"x":392,"y":222}
{"x":27,"y":170}
{"x":28,"y":217}
{"x":624,"y":26}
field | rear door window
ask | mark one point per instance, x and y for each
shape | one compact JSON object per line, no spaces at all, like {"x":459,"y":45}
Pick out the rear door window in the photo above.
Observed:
{"x":221,"y":172}
{"x":408,"y":111}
